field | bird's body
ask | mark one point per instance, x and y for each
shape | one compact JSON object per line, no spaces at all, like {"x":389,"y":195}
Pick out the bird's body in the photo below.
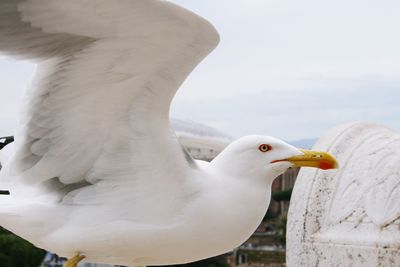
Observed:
{"x":96,"y":168}
{"x":198,"y":221}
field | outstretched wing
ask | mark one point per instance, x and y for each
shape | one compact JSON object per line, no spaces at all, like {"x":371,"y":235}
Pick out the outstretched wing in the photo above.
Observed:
{"x":107,"y":72}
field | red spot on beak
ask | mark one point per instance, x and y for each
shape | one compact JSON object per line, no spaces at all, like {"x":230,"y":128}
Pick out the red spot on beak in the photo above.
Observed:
{"x":326,"y":165}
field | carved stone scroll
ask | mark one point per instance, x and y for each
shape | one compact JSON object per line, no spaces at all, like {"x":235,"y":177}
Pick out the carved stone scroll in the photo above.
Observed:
{"x":350,"y":216}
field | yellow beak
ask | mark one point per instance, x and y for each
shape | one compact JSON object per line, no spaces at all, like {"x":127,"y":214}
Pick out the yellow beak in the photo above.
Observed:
{"x":316,"y":159}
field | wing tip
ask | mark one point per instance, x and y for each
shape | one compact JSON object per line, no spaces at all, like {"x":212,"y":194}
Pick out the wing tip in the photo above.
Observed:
{"x":206,"y":30}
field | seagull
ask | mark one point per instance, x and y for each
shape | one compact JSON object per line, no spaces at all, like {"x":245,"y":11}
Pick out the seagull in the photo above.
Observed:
{"x":96,"y":171}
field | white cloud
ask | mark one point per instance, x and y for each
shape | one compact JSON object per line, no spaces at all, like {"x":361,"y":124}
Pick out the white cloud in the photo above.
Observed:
{"x":276,"y":57}
{"x":300,"y":112}
{"x":291,"y":69}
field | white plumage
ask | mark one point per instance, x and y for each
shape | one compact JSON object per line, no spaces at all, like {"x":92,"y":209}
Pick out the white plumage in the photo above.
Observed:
{"x":96,"y":168}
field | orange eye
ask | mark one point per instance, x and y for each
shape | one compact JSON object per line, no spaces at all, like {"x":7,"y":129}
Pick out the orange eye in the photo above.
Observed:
{"x":264,"y":148}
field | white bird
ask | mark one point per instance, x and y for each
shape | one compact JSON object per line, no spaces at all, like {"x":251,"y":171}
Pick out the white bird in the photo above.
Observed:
{"x":96,"y":170}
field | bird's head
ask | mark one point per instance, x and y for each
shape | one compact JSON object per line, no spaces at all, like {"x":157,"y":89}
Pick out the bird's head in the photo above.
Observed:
{"x":267,"y":157}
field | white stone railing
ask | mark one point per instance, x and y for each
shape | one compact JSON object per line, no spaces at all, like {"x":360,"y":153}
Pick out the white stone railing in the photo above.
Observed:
{"x":350,"y":216}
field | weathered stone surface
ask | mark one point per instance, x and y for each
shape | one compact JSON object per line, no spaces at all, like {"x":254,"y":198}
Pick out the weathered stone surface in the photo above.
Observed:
{"x":350,"y":216}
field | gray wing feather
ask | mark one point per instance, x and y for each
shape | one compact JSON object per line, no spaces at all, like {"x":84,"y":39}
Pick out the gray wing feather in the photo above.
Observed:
{"x":97,"y":111}
{"x":19,"y":38}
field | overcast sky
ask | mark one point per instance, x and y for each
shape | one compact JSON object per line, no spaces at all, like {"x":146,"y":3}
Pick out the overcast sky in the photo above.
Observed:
{"x":291,"y":69}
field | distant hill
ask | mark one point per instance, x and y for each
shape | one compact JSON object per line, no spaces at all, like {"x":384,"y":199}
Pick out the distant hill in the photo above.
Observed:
{"x":304,"y":143}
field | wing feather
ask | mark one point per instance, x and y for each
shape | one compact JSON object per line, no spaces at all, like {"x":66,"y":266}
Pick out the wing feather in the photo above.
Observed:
{"x":107,"y":72}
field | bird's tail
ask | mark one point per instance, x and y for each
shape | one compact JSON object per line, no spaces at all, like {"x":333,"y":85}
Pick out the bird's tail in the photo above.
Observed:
{"x":4,"y":154}
{"x":7,"y":216}
{"x":4,"y":141}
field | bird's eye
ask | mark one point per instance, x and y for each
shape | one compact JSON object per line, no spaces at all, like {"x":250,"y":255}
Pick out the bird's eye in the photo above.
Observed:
{"x":264,"y":148}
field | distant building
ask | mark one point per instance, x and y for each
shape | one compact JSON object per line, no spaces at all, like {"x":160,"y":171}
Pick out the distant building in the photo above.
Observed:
{"x":283,"y":182}
{"x":52,"y":260}
{"x":201,"y":141}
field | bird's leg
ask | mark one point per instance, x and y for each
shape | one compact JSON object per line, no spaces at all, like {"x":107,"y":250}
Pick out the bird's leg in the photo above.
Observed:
{"x":73,"y":262}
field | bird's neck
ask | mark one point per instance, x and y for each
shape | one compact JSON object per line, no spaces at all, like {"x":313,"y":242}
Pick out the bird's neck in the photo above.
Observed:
{"x":232,"y":205}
